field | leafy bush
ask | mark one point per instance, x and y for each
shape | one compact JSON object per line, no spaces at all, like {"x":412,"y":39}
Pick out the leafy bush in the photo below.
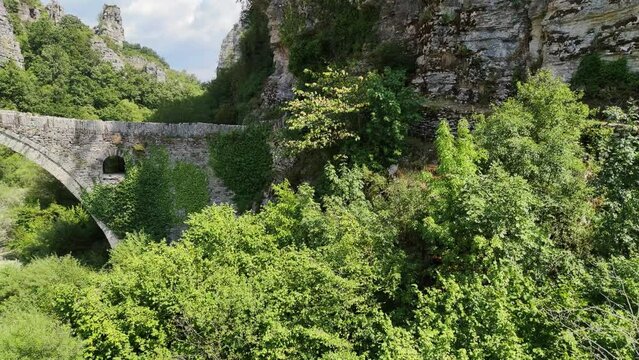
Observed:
{"x":366,"y":118}
{"x":127,"y":207}
{"x":244,"y":162}
{"x":536,"y":135}
{"x":618,"y":226}
{"x":54,"y":230}
{"x":606,"y":83}
{"x":33,"y":336}
{"x":339,"y":30}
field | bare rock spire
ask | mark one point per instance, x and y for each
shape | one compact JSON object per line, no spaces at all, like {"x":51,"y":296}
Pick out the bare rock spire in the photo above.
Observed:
{"x":110,"y":25}
{"x":55,"y":10}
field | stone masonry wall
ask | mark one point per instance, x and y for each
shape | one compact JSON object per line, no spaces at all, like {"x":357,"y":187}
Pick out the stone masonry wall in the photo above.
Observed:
{"x":73,"y":151}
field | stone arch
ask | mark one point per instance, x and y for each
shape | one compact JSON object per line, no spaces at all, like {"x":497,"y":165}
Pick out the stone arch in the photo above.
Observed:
{"x":39,"y":155}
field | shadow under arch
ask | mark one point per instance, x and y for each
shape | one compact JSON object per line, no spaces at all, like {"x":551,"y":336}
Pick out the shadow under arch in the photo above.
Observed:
{"x":38,"y":155}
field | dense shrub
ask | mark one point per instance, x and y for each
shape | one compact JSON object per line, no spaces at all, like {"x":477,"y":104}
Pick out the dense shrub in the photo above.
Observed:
{"x":54,"y":230}
{"x":339,"y":30}
{"x":244,"y":162}
{"x":536,"y":135}
{"x":177,"y":189}
{"x":618,"y":225}
{"x":365,"y":118}
{"x":31,"y":335}
{"x":606,"y":83}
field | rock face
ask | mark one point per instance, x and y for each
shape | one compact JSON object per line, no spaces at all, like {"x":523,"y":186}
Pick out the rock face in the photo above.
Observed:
{"x":55,"y":10}
{"x":110,"y":24}
{"x":470,"y":53}
{"x":149,"y":67}
{"x":28,"y":14}
{"x":9,"y":46}
{"x":571,"y":29}
{"x":111,"y":27}
{"x":230,"y":51}
{"x":106,"y":53}
{"x":279,"y":86}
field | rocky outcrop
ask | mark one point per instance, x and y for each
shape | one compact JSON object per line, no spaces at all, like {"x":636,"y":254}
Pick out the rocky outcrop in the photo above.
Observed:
{"x":27,"y":13}
{"x":149,"y":67}
{"x":572,"y":29}
{"x":55,"y":10}
{"x":9,"y":46}
{"x":470,"y":53}
{"x":230,"y":51}
{"x":110,"y":24}
{"x":106,"y":53}
{"x":111,"y":28}
{"x":279,"y":86}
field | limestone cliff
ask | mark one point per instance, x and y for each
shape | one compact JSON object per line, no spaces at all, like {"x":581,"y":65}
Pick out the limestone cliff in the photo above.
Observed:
{"x":470,"y":53}
{"x":106,"y":53}
{"x":111,"y":28}
{"x":110,"y":24}
{"x":27,"y":13}
{"x":230,"y":50}
{"x":141,"y":64}
{"x":473,"y":53}
{"x":279,"y":86}
{"x":55,"y":10}
{"x":9,"y":46}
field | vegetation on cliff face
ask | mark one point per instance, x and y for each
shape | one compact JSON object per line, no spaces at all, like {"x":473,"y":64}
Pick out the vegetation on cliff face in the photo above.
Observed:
{"x":324,"y":32}
{"x":365,"y":118}
{"x":236,"y":91}
{"x":606,"y":83}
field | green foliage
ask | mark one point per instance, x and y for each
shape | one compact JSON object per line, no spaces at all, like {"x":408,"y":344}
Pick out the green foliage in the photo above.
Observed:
{"x":145,"y":52}
{"x":55,"y":230}
{"x":36,"y":285}
{"x":244,"y":162}
{"x":33,"y":336}
{"x":606,"y":83}
{"x":393,"y":55}
{"x":618,"y":225}
{"x":127,"y":207}
{"x":366,"y":118}
{"x":482,"y":317}
{"x":247,"y":286}
{"x":235,"y":91}
{"x":339,"y":30}
{"x":63,"y":76}
{"x":29,"y":328}
{"x":33,"y":222}
{"x":536,"y":135}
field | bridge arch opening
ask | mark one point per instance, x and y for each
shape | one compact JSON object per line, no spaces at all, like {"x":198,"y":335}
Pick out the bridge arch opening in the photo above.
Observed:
{"x":114,"y":165}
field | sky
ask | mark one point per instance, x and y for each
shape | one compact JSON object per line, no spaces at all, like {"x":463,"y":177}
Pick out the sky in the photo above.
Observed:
{"x":187,"y":33}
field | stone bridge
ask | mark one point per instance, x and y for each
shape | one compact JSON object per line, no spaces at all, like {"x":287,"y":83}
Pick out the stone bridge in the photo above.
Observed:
{"x":83,"y":153}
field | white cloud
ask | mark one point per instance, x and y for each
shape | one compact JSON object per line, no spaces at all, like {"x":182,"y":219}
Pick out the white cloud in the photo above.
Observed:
{"x":187,"y":33}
